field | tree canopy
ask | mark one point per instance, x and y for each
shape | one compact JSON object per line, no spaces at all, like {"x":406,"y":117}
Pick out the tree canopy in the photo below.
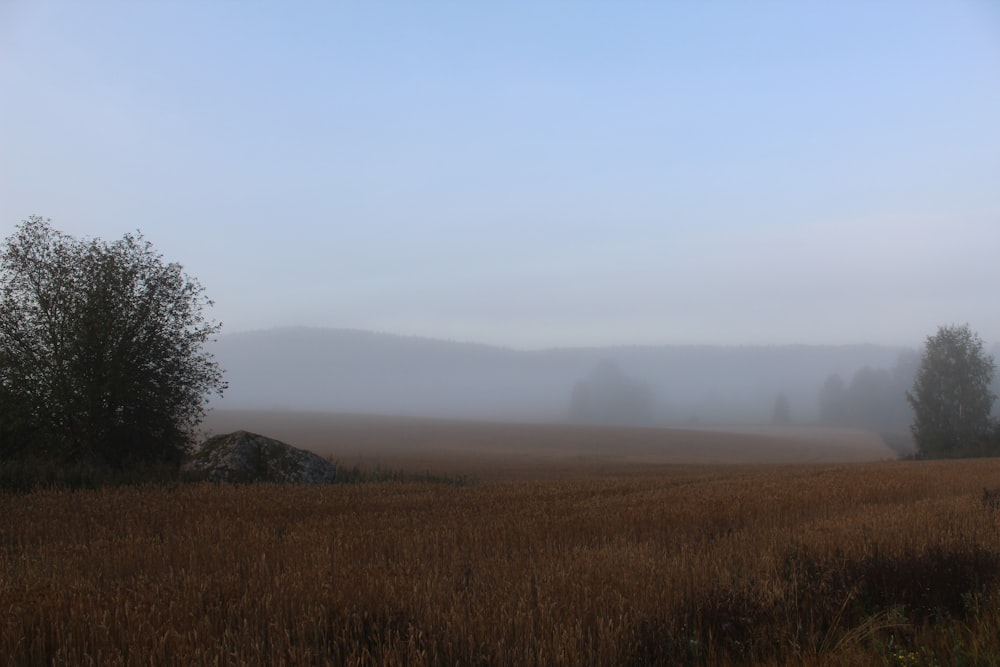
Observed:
{"x":951,"y":396}
{"x":102,"y":356}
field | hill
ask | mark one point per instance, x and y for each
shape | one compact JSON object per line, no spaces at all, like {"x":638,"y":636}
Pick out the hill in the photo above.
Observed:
{"x":364,"y":372}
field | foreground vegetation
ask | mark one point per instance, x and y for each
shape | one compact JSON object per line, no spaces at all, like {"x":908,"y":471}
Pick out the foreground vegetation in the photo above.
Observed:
{"x":871,"y":564}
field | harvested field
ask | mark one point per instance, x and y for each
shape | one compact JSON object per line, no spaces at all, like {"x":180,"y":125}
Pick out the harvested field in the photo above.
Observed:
{"x":487,"y":450}
{"x":892,"y":563}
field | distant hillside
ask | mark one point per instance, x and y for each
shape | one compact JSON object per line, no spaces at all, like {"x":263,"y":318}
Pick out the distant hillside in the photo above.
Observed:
{"x":358,"y":371}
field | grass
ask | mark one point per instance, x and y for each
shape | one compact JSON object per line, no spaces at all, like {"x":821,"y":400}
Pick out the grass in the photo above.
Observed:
{"x":380,"y":474}
{"x":892,"y":563}
{"x":25,"y":475}
{"x":498,"y":451}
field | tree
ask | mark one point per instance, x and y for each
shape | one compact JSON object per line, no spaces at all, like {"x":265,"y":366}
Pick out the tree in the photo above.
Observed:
{"x":609,"y":396}
{"x":102,"y":355}
{"x":833,"y":400}
{"x":874,"y":399}
{"x":870,"y":397}
{"x":951,"y":397}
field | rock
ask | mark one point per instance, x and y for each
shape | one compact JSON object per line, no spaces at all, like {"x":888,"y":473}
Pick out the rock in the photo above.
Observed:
{"x":243,"y":457}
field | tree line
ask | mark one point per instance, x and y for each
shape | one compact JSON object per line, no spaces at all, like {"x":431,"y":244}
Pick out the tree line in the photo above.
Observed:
{"x":873,"y":398}
{"x":944,"y":395}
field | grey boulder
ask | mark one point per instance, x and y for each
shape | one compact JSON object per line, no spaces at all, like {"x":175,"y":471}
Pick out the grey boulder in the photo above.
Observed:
{"x":243,"y":457}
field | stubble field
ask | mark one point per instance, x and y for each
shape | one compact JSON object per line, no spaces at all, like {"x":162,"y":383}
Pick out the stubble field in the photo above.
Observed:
{"x":878,"y":563}
{"x":505,"y":451}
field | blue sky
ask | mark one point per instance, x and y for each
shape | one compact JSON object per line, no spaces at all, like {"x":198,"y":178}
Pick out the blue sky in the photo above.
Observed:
{"x":528,"y":174}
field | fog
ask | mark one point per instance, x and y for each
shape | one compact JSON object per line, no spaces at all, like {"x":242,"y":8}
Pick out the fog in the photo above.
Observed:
{"x":353,"y":371}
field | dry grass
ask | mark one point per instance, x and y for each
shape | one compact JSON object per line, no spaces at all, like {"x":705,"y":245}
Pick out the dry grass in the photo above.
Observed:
{"x":502,"y":451}
{"x":882,"y":563}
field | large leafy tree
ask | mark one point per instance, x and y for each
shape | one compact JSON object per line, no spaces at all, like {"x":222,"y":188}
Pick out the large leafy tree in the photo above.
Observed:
{"x":951,"y":396}
{"x":102,"y":356}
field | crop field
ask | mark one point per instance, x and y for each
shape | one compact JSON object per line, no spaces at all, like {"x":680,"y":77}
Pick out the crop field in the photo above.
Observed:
{"x":880,"y":563}
{"x":504,"y":451}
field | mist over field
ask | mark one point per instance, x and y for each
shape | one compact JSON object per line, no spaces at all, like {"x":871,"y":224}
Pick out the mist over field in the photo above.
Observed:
{"x":364,"y":372}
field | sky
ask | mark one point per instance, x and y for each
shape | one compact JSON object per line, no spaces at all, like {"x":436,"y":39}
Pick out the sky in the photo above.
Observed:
{"x":528,"y":174}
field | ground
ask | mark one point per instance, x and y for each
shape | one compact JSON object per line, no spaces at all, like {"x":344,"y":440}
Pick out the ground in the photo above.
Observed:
{"x":486,"y":450}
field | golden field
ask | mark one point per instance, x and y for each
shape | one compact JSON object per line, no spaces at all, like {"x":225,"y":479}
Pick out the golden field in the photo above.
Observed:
{"x":877,"y":563}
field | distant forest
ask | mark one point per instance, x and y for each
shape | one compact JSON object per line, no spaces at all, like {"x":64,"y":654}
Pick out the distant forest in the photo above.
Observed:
{"x":364,"y":372}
